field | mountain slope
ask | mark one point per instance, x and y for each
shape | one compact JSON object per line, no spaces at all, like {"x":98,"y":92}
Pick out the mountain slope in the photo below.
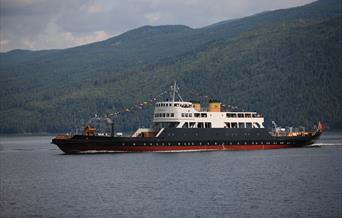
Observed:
{"x":285,"y":64}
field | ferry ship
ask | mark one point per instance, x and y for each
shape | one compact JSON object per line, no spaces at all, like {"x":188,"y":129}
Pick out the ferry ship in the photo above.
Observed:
{"x":185,"y":126}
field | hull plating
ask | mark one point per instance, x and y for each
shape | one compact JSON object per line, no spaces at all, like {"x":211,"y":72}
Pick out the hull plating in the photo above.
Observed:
{"x":186,"y":140}
{"x":104,"y":149}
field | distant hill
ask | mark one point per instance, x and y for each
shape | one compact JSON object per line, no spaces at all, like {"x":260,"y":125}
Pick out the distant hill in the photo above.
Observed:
{"x":285,"y":64}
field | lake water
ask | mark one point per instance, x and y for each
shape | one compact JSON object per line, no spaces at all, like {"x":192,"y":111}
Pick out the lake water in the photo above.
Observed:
{"x":38,"y":180}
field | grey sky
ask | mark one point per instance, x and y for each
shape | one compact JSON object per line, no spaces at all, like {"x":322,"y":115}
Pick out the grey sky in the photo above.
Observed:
{"x":46,"y":24}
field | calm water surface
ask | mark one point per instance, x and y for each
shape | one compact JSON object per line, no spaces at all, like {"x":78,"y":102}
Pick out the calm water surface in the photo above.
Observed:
{"x":38,"y":180}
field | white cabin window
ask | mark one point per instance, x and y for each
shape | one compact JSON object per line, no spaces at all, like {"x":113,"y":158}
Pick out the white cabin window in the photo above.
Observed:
{"x":200,"y":125}
{"x":231,"y":115}
{"x":197,"y":115}
{"x":248,"y":125}
{"x":172,"y":115}
{"x":241,"y":125}
{"x":203,"y":114}
{"x":234,"y":125}
{"x":207,"y":125}
{"x":240,"y":115}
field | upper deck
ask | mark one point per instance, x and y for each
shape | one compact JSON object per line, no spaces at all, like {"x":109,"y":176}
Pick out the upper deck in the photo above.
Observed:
{"x":182,"y":114}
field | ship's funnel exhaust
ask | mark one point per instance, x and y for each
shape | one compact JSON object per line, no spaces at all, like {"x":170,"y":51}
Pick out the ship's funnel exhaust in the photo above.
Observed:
{"x":196,"y":105}
{"x":214,"y":106}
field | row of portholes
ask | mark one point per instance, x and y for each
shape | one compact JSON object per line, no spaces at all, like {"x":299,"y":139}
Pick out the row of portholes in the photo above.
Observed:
{"x":208,"y":143}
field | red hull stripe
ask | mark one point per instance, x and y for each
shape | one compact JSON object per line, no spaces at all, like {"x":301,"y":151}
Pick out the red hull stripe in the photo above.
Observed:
{"x":75,"y":149}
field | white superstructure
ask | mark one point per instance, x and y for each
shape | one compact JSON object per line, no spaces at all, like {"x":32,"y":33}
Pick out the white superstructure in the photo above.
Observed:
{"x":182,"y":114}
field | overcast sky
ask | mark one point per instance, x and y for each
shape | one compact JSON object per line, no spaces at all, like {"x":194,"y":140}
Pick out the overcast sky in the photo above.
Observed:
{"x":46,"y":24}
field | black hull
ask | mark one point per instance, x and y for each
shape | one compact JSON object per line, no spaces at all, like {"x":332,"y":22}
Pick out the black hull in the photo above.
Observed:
{"x":184,"y":140}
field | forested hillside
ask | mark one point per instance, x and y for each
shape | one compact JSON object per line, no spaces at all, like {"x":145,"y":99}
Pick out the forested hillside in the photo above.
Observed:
{"x":285,"y":64}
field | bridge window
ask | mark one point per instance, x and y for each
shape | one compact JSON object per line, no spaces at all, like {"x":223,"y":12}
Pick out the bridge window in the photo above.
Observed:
{"x":240,"y":115}
{"x":248,"y":115}
{"x":231,"y":115}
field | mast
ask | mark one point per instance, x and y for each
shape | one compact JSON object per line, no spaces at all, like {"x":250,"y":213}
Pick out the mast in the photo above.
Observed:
{"x":174,"y":91}
{"x":112,"y":128}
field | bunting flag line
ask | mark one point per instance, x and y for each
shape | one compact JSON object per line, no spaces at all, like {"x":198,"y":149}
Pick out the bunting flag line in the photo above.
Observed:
{"x":137,"y":106}
{"x":144,"y":104}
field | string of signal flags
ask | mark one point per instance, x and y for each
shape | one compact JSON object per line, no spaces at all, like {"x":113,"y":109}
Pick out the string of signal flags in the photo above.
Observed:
{"x":151,"y":101}
{"x":140,"y":105}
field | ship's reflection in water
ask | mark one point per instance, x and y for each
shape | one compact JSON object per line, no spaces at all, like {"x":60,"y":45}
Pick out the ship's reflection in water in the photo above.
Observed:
{"x":37,"y":180}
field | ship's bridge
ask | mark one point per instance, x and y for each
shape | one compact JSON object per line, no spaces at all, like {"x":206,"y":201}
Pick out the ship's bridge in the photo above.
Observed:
{"x":182,"y":114}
